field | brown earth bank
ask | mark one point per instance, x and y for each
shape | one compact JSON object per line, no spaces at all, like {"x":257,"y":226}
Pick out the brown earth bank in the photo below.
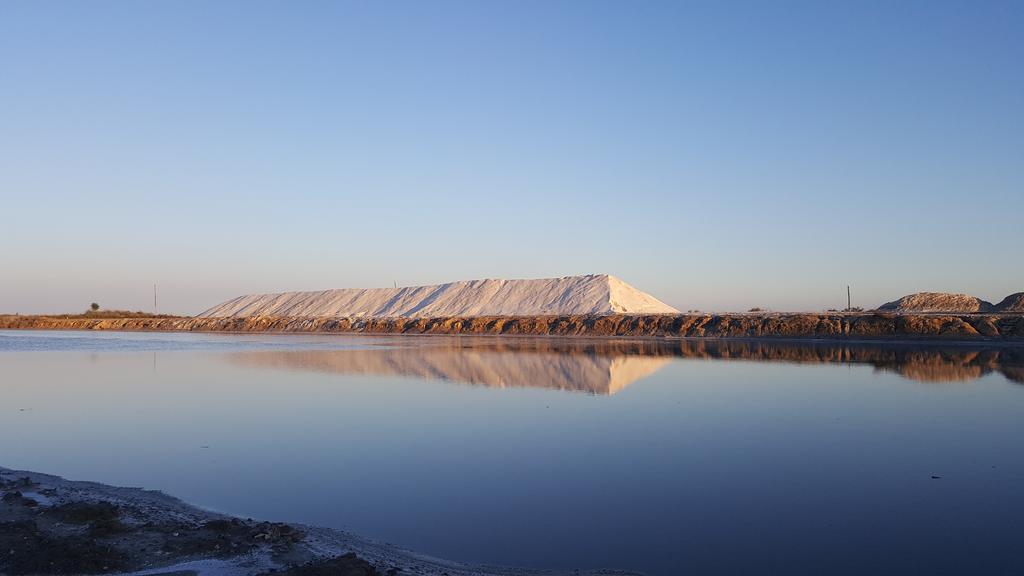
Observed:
{"x":867,"y":325}
{"x":49,"y":525}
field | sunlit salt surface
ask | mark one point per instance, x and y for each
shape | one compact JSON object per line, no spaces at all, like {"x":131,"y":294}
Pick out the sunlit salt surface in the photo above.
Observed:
{"x":662,"y":457}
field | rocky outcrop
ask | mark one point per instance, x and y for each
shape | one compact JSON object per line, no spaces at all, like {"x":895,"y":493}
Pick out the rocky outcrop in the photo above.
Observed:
{"x":942,"y":302}
{"x":1014,"y":303}
{"x":869,"y":325}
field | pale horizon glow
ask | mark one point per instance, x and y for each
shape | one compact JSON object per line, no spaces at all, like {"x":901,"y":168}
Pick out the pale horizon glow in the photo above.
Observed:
{"x":718,"y":156}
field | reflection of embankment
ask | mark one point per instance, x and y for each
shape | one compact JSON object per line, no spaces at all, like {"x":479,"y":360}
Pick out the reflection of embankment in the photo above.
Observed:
{"x":608,"y":366}
{"x":922,"y":363}
{"x":929,"y":364}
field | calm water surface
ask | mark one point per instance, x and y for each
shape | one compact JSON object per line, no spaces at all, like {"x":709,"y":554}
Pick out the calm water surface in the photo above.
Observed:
{"x":666,"y":458}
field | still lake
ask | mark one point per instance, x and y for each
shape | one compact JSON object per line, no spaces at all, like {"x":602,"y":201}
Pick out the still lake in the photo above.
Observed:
{"x":665,"y":457}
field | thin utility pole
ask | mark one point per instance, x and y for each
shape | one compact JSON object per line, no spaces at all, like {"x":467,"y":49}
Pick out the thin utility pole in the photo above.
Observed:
{"x":154,"y":301}
{"x":849,"y":303}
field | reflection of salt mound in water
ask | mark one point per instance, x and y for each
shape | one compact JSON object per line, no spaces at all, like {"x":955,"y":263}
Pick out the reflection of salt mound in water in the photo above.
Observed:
{"x":940,"y":372}
{"x":1015,"y":374}
{"x":941,"y":366}
{"x":625,"y":370}
{"x":609,"y":365}
{"x":591,"y":373}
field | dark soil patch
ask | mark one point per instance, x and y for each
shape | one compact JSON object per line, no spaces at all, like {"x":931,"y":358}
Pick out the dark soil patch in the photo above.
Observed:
{"x":28,"y":551}
{"x":226,"y":538}
{"x":15,"y":484}
{"x":18,"y":499}
{"x":102,"y":518}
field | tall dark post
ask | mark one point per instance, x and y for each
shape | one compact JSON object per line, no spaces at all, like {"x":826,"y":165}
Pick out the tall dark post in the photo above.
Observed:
{"x":849,"y":303}
{"x":154,"y":300}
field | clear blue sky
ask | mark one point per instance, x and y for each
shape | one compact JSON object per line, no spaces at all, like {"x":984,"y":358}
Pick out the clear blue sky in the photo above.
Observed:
{"x":720,"y":155}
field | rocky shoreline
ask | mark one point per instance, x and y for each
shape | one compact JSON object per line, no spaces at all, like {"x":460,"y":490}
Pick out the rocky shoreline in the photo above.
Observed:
{"x":49,"y":525}
{"x":876,"y":325}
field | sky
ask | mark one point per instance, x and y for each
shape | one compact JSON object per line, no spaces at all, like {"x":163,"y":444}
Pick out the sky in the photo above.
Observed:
{"x":719,"y":155}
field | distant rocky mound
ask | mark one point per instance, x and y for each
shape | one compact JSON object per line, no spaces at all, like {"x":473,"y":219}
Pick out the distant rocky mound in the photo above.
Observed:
{"x":938,"y":302}
{"x":1011,"y":304}
{"x":598,"y":294}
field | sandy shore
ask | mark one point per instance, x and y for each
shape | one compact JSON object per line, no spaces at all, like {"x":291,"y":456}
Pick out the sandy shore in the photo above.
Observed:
{"x":49,"y":525}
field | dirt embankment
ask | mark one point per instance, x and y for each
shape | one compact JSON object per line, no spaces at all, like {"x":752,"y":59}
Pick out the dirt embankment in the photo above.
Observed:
{"x":868,"y":325}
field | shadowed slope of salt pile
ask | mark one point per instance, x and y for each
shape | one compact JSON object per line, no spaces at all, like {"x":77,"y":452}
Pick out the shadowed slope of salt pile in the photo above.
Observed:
{"x":1012,"y":303}
{"x":594,"y":294}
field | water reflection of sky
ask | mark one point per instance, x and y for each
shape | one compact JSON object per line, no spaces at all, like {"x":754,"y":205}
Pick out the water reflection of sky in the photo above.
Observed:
{"x":711,"y":458}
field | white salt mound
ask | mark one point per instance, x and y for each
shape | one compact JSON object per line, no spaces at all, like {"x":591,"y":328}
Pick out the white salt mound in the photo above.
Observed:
{"x":598,"y":294}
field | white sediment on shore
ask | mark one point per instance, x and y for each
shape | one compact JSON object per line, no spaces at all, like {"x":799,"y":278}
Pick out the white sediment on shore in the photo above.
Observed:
{"x":147,"y":511}
{"x":598,"y":294}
